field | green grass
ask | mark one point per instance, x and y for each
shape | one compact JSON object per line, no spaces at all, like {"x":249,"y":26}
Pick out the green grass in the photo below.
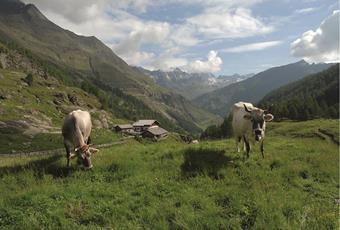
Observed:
{"x":172,"y":185}
{"x":306,"y":129}
{"x":17,"y":142}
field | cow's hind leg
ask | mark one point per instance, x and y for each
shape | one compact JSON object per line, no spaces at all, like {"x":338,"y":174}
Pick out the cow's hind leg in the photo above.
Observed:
{"x":246,"y":142}
{"x":262,"y":149}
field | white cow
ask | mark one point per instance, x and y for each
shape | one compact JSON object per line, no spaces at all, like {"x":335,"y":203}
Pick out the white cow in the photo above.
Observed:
{"x":249,"y":124}
{"x":76,"y":131}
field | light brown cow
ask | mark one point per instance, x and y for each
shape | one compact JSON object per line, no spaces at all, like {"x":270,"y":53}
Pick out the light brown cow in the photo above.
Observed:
{"x":249,"y":125}
{"x":76,"y":131}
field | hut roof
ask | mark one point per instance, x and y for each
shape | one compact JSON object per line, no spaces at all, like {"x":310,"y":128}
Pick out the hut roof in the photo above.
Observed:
{"x":125,"y":126}
{"x":145,"y":123}
{"x":157,"y":130}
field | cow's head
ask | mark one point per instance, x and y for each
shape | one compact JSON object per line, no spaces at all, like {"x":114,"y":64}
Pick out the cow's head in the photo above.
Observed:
{"x":258,"y":118}
{"x":84,"y":155}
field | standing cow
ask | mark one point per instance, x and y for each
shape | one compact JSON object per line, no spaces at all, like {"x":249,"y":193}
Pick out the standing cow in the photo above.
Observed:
{"x":249,"y":124}
{"x":76,"y":131}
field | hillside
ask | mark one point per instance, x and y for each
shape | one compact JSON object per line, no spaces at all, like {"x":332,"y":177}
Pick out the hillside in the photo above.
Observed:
{"x":312,"y":97}
{"x":173,"y":185}
{"x":255,"y":88}
{"x":33,"y":104}
{"x":87,"y":59}
{"x":191,"y":85}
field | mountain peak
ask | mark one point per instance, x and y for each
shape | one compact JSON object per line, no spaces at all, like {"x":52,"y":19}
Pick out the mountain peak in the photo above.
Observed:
{"x":302,"y":62}
{"x":33,"y":12}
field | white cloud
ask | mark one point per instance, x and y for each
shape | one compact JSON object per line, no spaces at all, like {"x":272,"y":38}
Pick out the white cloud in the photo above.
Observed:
{"x":221,"y":23}
{"x":142,"y":33}
{"x":213,"y":64}
{"x":252,"y":47}
{"x":115,"y":24}
{"x":75,"y":11}
{"x":305,"y":10}
{"x":138,"y":58}
{"x":321,"y":45}
{"x":184,"y":35}
{"x":167,"y":63}
{"x":167,"y":60}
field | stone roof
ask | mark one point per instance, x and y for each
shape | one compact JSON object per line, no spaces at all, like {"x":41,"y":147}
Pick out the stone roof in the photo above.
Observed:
{"x":157,"y":130}
{"x":145,"y":123}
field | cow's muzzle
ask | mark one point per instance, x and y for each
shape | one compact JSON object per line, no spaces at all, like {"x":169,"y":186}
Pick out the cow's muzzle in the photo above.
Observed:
{"x":258,"y":135}
{"x":258,"y":138}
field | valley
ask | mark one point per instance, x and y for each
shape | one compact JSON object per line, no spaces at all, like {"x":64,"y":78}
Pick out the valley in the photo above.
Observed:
{"x":186,"y":172}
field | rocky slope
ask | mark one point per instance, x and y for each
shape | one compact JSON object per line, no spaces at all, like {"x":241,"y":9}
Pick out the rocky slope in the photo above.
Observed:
{"x":191,"y":85}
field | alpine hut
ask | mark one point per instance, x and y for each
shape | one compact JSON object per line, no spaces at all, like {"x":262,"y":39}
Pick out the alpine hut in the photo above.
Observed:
{"x":156,"y":133}
{"x":144,"y":125}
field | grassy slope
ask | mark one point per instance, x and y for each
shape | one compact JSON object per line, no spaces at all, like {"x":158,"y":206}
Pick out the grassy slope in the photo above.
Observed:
{"x":38,"y":97}
{"x":173,"y":185}
{"x":317,"y":95}
{"x":36,"y":101}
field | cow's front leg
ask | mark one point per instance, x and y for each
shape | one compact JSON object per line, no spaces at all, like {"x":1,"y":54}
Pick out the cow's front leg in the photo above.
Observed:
{"x":246,"y":142}
{"x":262,"y":149}
{"x":68,"y":154}
{"x":237,"y":140}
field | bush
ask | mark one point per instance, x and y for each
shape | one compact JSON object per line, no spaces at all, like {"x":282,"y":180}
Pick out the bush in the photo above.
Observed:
{"x":29,"y":79}
{"x":222,"y":131}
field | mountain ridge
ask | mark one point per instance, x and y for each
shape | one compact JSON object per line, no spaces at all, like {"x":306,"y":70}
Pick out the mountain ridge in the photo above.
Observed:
{"x":256,"y":87}
{"x":314,"y":96}
{"x":191,"y":85}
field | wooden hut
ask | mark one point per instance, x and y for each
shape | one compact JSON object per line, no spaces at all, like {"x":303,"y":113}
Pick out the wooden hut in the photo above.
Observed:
{"x":144,"y":125}
{"x":155,"y":133}
{"x":126,"y":128}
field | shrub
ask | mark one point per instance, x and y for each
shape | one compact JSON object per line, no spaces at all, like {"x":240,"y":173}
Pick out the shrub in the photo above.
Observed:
{"x":29,"y":79}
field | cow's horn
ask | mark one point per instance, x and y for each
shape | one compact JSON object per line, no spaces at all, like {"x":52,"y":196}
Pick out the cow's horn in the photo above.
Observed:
{"x":246,"y":108}
{"x":94,"y":150}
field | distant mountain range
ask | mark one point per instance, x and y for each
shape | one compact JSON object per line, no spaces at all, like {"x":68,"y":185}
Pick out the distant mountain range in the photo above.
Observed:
{"x":314,"y":96}
{"x":191,"y":85}
{"x":255,"y":88}
{"x":86,"y":61}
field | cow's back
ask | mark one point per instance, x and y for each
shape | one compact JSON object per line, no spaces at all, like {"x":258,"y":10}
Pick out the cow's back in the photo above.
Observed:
{"x":77,"y":126}
{"x":240,"y":125}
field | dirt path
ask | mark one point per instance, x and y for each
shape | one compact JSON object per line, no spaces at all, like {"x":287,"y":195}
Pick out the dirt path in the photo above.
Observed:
{"x":326,"y":136}
{"x":58,"y":151}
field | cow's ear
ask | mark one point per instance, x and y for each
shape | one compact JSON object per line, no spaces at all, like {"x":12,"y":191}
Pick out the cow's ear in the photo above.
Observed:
{"x":268,"y":117}
{"x":247,"y":116}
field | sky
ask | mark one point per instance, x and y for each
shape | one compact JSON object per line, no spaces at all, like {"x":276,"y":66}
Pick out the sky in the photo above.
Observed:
{"x":218,"y":36}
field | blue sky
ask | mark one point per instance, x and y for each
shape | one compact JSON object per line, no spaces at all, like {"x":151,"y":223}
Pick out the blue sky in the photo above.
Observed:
{"x":219,"y":36}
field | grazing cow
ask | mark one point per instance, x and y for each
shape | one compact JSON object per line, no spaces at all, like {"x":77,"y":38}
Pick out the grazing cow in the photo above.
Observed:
{"x":76,"y":131}
{"x":249,"y":124}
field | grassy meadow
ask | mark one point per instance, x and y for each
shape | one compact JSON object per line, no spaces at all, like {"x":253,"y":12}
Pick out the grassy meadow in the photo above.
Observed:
{"x":173,"y":185}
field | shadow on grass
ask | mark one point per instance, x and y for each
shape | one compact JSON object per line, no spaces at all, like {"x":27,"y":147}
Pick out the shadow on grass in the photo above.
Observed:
{"x":204,"y":161}
{"x":41,"y":167}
